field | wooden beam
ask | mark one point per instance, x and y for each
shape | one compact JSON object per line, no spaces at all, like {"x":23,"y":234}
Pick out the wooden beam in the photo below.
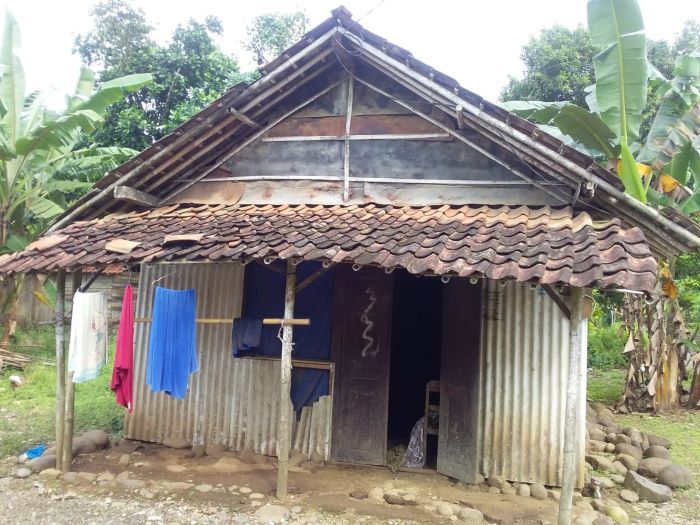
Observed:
{"x":59,"y":316}
{"x":244,"y":118}
{"x":69,"y":408}
{"x":284,"y":435}
{"x":346,"y":146}
{"x":135,"y":196}
{"x":558,"y":299}
{"x":385,"y":136}
{"x":575,"y":408}
{"x":459,"y":110}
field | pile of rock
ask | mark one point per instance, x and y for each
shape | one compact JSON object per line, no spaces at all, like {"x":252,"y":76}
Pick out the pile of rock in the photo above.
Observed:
{"x":639,"y":461}
{"x":87,"y":443}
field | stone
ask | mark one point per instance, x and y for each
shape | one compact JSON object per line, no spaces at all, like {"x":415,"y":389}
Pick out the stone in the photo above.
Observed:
{"x":50,"y":473}
{"x":597,"y":434}
{"x":123,"y":475}
{"x":393,"y":499}
{"x":618,"y":515}
{"x":508,"y":491}
{"x":497,"y":481}
{"x":609,"y":448}
{"x":600,"y":463}
{"x":658,"y":440}
{"x":598,"y":407}
{"x":603,"y":520}
{"x":675,"y":476}
{"x":257,"y":495}
{"x":622,"y":438}
{"x":204,"y":487}
{"x":600,"y":505}
{"x":620,"y":469}
{"x":245,"y":490}
{"x":376,"y":493}
{"x":595,"y":446}
{"x":99,"y":438}
{"x":629,"y":496}
{"x":582,"y":519}
{"x":554,"y":495}
{"x":538,"y":491}
{"x":634,"y":433}
{"x":494,"y":490}
{"x":617,"y":478}
{"x":215,"y":449}
{"x":657,"y":451}
{"x":524,"y":490}
{"x":296,"y":459}
{"x":630,"y":450}
{"x":651,"y":467}
{"x":473,"y":488}
{"x":606,"y":483}
{"x":176,"y":485}
{"x":89,"y":477}
{"x":444,"y":509}
{"x":199,"y":450}
{"x":72,"y":478}
{"x":470,"y":514}
{"x":23,"y":472}
{"x":295,"y":510}
{"x":41,"y":463}
{"x":628,"y":461}
{"x":105,"y":476}
{"x":607,"y":422}
{"x":647,"y":489}
{"x":359,"y":494}
{"x":272,"y":514}
{"x":176,"y":443}
{"x":410,"y":500}
{"x":124,"y":460}
{"x":133,"y":484}
{"x":176,"y":468}
{"x":83,"y":445}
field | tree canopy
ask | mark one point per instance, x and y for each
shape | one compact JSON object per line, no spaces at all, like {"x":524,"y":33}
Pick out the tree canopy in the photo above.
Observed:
{"x":270,"y":34}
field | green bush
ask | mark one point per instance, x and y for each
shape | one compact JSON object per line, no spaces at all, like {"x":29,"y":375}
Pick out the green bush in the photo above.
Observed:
{"x":605,"y":345}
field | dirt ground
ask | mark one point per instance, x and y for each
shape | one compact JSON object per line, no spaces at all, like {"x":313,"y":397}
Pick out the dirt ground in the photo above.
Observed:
{"x":145,"y":483}
{"x":181,"y":489}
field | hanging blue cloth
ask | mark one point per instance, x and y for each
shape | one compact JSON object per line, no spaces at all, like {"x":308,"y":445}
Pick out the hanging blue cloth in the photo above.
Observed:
{"x":246,"y":335}
{"x":172,"y":354}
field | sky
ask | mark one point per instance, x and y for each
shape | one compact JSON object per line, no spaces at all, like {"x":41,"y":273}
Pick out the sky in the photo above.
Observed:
{"x":478,"y":42}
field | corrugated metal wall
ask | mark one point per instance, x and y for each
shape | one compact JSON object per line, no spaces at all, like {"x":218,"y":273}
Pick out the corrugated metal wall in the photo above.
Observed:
{"x":524,"y":367}
{"x":230,"y":401}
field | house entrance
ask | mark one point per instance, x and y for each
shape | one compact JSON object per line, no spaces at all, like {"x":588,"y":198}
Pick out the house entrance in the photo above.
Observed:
{"x":415,"y":360}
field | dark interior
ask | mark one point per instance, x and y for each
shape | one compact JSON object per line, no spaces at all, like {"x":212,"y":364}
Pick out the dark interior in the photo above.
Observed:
{"x":416,"y":338}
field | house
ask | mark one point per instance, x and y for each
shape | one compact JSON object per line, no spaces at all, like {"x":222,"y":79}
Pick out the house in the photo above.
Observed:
{"x":428,"y":233}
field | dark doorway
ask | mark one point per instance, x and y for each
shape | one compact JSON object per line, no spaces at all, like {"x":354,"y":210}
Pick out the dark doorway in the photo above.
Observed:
{"x":415,"y":354}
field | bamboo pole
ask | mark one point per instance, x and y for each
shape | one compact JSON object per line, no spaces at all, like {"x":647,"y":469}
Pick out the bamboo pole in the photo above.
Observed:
{"x":573,"y":407}
{"x":69,"y":409}
{"x":60,"y":365}
{"x":284,"y":434}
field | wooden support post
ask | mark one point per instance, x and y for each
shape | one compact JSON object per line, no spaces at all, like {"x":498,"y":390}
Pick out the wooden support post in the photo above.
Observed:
{"x":60,"y":364}
{"x":346,"y":146}
{"x":284,"y":434}
{"x":69,"y":407}
{"x":574,"y":405}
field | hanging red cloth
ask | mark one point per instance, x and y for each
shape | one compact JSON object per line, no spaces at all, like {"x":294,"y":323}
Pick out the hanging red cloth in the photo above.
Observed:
{"x":123,"y":372}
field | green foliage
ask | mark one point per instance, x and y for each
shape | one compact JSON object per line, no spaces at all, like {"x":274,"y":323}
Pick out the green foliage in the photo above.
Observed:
{"x":558,"y":67}
{"x":189,"y":71}
{"x":29,"y":412}
{"x":605,"y":345}
{"x":688,"y":281}
{"x":270,"y":34}
{"x":605,"y":386}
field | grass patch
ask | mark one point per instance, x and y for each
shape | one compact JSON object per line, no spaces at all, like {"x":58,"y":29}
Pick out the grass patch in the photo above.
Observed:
{"x":27,"y":415}
{"x":606,"y":386}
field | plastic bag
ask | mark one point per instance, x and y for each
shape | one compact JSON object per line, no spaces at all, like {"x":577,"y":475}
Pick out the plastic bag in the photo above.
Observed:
{"x":414,"y":453}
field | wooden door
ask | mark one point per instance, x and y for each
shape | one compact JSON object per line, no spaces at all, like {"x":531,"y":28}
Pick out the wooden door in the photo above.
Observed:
{"x":459,"y":376}
{"x":361,"y":349}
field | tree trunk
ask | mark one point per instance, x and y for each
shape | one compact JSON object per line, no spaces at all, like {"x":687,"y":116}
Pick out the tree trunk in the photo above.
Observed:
{"x":9,"y":290}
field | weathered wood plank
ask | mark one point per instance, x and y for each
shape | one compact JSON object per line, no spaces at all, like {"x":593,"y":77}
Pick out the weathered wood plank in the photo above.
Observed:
{"x":135,"y":196}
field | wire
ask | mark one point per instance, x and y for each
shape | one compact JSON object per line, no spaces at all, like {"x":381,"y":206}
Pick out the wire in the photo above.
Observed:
{"x":371,"y":10}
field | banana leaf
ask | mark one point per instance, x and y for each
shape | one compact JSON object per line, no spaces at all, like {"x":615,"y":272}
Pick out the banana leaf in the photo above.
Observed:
{"x":12,"y":81}
{"x":617,"y":27}
{"x":629,"y":173}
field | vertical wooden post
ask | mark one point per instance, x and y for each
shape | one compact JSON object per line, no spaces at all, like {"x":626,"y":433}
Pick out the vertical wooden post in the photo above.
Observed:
{"x":69,"y":409}
{"x":573,"y":407}
{"x":346,"y":145}
{"x":60,"y":364}
{"x":284,"y":433}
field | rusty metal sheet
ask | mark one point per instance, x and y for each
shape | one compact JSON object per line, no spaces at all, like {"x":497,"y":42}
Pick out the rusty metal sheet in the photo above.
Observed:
{"x":524,"y":366}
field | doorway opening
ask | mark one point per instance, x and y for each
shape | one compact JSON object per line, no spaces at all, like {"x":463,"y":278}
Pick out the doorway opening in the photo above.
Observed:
{"x":415,"y":358}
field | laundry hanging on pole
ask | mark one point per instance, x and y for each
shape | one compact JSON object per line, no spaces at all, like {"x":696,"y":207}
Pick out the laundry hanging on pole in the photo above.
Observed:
{"x":87,"y":350}
{"x":246,"y":335}
{"x":123,"y":371}
{"x":172,"y":354}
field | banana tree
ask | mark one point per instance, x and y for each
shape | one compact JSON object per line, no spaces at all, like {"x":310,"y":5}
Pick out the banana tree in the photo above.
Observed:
{"x":44,"y":162}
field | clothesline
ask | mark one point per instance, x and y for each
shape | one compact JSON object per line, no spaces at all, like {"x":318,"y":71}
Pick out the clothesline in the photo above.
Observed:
{"x":268,"y":321}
